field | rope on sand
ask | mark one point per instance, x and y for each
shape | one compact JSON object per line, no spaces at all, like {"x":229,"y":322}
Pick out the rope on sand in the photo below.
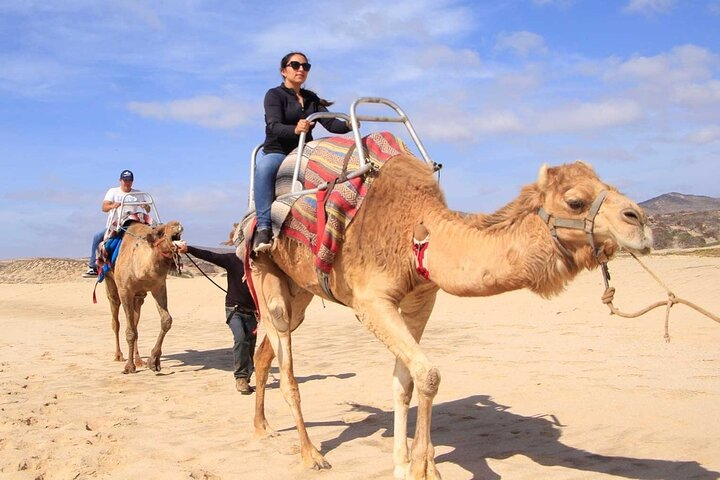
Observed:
{"x":607,"y":298}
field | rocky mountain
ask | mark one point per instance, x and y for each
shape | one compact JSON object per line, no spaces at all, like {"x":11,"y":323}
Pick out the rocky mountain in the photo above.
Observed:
{"x":680,"y":202}
{"x":683,"y":221}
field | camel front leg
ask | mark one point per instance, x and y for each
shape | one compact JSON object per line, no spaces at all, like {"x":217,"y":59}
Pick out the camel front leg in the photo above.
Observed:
{"x":276,"y":309}
{"x":128,"y":303}
{"x":399,"y":332}
{"x":263,"y":359}
{"x":160,"y":296}
{"x":402,"y":394}
{"x":114,"y":299}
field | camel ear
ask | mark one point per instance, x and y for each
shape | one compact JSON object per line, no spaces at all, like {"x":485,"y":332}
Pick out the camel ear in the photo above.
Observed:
{"x":543,"y":175}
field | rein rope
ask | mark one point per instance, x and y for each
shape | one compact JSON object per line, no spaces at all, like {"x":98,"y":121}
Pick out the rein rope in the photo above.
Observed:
{"x":587,"y":225}
{"x":607,"y":298}
{"x":204,"y":274}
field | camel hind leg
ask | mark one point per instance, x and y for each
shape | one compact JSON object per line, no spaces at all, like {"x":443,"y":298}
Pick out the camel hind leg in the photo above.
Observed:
{"x":113,"y":297}
{"x":263,"y":360}
{"x":160,"y":296}
{"x":276,"y":307}
{"x":138,"y":302}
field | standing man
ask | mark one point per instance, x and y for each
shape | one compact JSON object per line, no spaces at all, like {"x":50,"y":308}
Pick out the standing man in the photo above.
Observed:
{"x":239,"y":313}
{"x":113,"y":199}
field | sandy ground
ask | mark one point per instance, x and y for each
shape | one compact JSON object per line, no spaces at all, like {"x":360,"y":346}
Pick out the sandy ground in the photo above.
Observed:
{"x":531,"y":388}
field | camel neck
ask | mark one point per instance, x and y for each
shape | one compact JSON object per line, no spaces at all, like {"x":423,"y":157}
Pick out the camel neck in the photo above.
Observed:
{"x":468,"y":257}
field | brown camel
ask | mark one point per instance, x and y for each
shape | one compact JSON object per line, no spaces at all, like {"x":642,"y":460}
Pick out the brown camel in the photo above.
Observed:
{"x":145,"y":258}
{"x":376,"y":274}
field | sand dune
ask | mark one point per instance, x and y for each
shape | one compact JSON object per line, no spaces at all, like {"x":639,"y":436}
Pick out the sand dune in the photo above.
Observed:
{"x":531,"y":388}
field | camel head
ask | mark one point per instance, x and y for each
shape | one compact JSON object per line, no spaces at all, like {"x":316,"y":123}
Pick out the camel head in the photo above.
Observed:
{"x":591,"y":219}
{"x":162,"y":236}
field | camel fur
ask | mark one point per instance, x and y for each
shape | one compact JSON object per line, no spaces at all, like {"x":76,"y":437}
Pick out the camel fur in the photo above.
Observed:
{"x":145,"y":258}
{"x":468,"y":255}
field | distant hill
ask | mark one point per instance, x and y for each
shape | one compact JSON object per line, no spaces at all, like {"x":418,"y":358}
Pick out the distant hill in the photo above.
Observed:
{"x":679,"y":220}
{"x":680,"y":202}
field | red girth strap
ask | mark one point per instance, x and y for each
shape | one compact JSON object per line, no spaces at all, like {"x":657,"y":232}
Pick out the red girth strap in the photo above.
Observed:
{"x":419,"y":248}
{"x":248,"y":272}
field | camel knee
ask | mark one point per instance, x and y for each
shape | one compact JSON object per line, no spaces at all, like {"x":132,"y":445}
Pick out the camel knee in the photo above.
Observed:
{"x":278,"y":314}
{"x":166,"y":323}
{"x":428,"y":382}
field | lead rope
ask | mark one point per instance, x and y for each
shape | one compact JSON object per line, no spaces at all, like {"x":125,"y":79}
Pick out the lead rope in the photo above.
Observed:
{"x":607,"y":298}
{"x":204,"y":274}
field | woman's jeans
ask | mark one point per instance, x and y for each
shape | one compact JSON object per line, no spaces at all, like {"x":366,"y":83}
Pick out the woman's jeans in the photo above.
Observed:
{"x":244,"y":330}
{"x":266,"y":170}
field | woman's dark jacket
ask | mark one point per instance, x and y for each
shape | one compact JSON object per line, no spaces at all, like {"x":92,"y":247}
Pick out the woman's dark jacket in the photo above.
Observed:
{"x":283,"y":112}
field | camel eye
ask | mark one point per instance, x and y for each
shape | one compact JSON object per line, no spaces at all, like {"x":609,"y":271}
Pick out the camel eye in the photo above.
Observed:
{"x":576,"y":204}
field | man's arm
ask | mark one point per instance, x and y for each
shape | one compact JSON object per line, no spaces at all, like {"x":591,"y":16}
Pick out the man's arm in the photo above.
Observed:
{"x":219,"y":259}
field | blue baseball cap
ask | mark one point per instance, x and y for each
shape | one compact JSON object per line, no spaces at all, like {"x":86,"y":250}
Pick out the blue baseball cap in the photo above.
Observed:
{"x":127,"y":175}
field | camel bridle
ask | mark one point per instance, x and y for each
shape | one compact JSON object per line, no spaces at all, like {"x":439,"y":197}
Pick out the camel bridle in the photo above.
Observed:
{"x":172,"y":250}
{"x":586,"y":224}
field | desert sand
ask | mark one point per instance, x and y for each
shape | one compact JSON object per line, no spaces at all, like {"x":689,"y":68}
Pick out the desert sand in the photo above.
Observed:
{"x":531,"y":388}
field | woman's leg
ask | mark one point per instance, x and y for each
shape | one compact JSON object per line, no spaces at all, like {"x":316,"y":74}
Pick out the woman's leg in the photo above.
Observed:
{"x":265,"y":172}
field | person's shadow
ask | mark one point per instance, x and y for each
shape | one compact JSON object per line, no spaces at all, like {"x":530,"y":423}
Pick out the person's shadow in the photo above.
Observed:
{"x":477,"y":429}
{"x":222,"y":359}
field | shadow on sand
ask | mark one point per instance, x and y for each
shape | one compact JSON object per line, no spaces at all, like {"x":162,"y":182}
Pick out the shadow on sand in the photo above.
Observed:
{"x":222,"y":359}
{"x":479,"y":429}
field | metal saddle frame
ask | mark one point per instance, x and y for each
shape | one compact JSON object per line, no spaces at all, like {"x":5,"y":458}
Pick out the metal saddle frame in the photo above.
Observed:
{"x":354,"y":119}
{"x":114,"y":221}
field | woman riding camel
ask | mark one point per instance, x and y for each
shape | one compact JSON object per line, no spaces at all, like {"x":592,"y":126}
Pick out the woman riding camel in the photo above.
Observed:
{"x":287,"y":107}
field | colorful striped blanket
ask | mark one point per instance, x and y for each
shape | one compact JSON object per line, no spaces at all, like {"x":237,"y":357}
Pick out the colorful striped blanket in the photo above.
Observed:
{"x":322,"y":162}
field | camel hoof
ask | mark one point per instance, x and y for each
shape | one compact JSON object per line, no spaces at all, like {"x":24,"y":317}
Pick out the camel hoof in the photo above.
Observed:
{"x":316,"y":461}
{"x":324,"y":465}
{"x":414,"y":471}
{"x":119,"y":357}
{"x":267,"y":433}
{"x":129,"y":368}
{"x":140,"y":363}
{"x":154,"y":364}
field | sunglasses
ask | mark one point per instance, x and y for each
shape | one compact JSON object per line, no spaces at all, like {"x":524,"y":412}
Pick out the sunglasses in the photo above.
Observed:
{"x":296,"y":65}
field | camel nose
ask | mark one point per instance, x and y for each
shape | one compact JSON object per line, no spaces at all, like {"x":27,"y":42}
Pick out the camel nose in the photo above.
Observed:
{"x":634,"y":216}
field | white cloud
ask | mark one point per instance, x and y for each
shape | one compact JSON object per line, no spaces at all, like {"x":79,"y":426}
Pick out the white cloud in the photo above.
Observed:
{"x":697,"y":94}
{"x":522,"y":43}
{"x":207,"y":111}
{"x":649,"y":6}
{"x":586,"y":116}
{"x":705,"y":135}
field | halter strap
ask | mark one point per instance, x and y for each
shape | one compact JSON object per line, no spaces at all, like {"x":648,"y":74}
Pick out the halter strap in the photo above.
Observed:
{"x":586,"y":224}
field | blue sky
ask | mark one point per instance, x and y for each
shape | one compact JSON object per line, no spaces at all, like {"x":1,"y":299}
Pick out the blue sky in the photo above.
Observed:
{"x":173,"y":90}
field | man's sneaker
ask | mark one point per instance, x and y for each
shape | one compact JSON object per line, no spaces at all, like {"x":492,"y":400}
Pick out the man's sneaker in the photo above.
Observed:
{"x":263,"y":240}
{"x":91,"y":273}
{"x":242,"y":386}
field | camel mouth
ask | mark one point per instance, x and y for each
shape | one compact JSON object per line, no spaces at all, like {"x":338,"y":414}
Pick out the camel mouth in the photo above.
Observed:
{"x":641,"y":245}
{"x":177,"y":235}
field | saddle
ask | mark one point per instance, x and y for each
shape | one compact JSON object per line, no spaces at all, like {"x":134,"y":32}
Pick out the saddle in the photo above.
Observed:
{"x":319,"y":220}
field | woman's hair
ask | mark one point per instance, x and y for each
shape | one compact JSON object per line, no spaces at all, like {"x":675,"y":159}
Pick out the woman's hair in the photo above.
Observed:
{"x":286,"y":59}
{"x":284,"y":62}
